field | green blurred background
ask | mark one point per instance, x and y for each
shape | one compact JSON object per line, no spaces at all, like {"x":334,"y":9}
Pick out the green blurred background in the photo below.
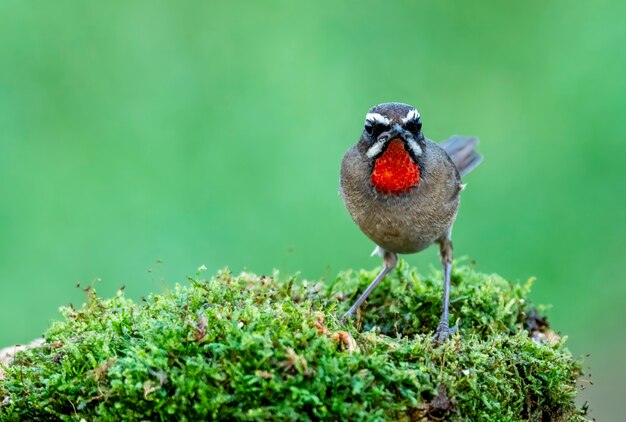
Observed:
{"x":211,"y":133}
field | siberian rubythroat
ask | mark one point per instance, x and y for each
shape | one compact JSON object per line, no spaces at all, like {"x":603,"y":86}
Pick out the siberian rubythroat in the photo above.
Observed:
{"x":402,"y":190}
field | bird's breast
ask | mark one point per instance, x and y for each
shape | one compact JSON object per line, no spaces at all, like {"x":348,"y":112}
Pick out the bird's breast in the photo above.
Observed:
{"x":403,"y":223}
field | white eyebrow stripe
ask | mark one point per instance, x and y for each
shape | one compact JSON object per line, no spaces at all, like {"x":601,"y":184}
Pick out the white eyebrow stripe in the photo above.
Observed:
{"x":378,"y":118}
{"x":413,"y":114}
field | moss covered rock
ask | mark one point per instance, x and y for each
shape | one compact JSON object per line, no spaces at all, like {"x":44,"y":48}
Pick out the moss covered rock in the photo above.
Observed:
{"x":251,"y":347}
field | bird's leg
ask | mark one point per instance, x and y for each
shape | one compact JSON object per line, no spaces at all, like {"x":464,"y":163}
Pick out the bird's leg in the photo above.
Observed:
{"x":445,"y":250}
{"x":390,"y":260}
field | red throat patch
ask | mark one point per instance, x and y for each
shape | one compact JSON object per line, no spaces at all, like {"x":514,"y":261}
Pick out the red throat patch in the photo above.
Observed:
{"x":394,"y":171}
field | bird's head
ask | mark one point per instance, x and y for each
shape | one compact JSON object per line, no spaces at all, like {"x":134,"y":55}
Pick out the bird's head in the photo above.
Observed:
{"x":392,"y":141}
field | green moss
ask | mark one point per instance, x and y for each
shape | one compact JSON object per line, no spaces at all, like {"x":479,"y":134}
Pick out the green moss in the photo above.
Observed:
{"x":251,"y":347}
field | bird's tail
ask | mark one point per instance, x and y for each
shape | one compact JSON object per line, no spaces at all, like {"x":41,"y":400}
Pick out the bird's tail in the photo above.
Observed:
{"x":462,"y":151}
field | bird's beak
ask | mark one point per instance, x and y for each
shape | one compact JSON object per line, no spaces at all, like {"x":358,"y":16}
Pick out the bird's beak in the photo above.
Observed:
{"x":396,"y":131}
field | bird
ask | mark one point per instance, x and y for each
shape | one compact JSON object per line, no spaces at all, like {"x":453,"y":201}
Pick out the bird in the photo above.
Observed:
{"x":403,"y":190}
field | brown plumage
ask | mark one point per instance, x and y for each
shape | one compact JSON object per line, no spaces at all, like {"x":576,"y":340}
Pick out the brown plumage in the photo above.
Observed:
{"x":411,"y":219}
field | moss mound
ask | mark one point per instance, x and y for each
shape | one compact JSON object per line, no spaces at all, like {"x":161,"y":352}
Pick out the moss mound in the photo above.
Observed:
{"x":251,"y":347}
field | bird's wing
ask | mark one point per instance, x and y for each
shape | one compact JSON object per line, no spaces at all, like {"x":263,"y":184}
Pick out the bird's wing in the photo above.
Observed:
{"x":462,"y":151}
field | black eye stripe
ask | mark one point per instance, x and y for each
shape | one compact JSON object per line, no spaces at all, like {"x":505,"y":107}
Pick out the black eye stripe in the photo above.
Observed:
{"x":375,"y":128}
{"x":414,"y":126}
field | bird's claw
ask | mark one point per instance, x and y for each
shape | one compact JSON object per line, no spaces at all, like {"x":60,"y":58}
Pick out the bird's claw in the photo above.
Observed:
{"x":444,"y":332}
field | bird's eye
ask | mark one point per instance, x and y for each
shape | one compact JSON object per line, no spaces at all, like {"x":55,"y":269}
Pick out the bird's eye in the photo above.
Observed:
{"x":414,"y":126}
{"x":374,"y":129}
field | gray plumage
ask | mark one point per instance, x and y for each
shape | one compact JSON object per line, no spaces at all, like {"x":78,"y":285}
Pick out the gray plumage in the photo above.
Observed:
{"x":409,"y":222}
{"x":413,"y":217}
{"x":462,"y":151}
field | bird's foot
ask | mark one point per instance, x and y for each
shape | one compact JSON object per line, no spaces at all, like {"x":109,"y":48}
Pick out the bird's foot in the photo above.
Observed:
{"x":444,"y":332}
{"x":345,"y":317}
